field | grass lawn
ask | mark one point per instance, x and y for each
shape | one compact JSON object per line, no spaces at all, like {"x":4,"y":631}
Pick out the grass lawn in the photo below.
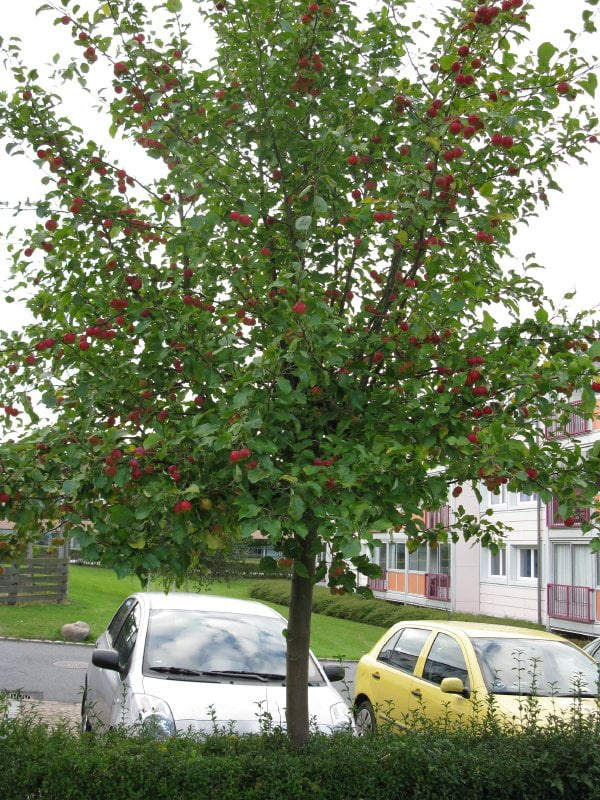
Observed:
{"x":95,"y":594}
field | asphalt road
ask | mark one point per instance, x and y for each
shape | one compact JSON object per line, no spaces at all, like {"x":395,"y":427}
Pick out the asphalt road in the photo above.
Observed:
{"x":43,"y":670}
{"x":54,"y":671}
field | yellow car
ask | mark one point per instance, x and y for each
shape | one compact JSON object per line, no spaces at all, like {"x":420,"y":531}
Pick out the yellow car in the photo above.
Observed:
{"x":457,"y":671}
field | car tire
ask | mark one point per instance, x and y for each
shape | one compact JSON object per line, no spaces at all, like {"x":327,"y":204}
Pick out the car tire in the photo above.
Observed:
{"x":364,"y":719}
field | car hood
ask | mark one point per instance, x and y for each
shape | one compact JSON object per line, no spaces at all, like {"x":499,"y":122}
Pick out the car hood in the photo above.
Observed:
{"x":245,"y":707}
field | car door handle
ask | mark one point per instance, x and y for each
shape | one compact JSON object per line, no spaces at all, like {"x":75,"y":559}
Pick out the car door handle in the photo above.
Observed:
{"x":376,"y":675}
{"x":416,"y":693}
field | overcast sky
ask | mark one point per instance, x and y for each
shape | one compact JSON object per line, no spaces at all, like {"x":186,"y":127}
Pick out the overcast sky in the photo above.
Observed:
{"x":565,"y":238}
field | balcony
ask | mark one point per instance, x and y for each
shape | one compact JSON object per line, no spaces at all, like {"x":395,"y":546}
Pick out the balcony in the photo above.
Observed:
{"x":379,"y":584}
{"x":574,"y":427}
{"x":575,"y":603}
{"x":439,"y":517}
{"x":437,"y":586}
{"x":554,"y":520}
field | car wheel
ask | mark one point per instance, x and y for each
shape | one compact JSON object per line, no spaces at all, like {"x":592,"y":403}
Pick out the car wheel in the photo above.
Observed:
{"x":364,"y":719}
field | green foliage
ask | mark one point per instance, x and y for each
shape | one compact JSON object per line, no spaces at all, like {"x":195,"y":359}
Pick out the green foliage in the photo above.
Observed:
{"x":475,"y":764}
{"x":371,"y":611}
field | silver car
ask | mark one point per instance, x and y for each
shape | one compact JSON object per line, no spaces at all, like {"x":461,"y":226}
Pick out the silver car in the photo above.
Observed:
{"x":184,"y":662}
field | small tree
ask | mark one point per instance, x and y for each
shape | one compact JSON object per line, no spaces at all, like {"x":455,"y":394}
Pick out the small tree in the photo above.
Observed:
{"x":294,"y":319}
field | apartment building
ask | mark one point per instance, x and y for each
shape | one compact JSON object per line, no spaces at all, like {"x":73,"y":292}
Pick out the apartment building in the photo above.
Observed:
{"x":546,"y":572}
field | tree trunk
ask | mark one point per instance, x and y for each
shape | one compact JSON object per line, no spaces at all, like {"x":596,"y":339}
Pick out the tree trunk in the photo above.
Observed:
{"x":298,"y":644}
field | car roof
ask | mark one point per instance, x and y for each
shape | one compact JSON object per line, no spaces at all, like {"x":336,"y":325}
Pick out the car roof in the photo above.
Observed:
{"x":479,"y":629}
{"x":191,"y":601}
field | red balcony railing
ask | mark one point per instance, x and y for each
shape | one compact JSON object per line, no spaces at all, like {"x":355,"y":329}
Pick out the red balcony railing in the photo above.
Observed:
{"x":439,"y":517}
{"x":379,"y":584}
{"x":574,"y":426}
{"x":437,"y":586}
{"x":556,"y":521}
{"x":570,"y":602}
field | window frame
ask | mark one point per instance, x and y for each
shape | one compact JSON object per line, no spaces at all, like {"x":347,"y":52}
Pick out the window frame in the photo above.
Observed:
{"x":534,"y":563}
{"x":501,"y":554}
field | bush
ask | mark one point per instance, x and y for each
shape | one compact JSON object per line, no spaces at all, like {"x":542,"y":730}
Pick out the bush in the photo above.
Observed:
{"x":562,"y":761}
{"x":372,"y":611}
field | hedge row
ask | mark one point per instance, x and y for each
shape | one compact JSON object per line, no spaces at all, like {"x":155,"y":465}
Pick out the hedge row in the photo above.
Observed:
{"x":563,"y":761}
{"x":358,"y":608}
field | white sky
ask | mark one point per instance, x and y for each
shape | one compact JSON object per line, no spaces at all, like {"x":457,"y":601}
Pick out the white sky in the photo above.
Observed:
{"x":565,"y":238}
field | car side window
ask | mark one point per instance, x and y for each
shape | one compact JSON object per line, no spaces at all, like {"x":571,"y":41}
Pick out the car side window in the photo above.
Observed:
{"x":127,"y":636}
{"x":385,"y":654}
{"x":408,"y":648}
{"x":445,"y":660}
{"x":114,"y":625}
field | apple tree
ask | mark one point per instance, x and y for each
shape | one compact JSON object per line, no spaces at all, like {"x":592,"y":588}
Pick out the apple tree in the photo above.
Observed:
{"x":292,"y":314}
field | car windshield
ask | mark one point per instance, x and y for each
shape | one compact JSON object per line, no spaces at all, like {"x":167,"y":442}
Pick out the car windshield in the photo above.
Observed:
{"x":188,"y":643}
{"x":541,"y":667}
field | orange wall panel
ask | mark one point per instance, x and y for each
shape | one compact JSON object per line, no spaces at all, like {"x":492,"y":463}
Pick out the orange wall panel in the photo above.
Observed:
{"x":416,"y":583}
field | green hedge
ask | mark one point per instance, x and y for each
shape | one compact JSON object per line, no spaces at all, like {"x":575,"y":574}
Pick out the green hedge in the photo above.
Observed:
{"x":358,"y":608}
{"x":561,"y":762}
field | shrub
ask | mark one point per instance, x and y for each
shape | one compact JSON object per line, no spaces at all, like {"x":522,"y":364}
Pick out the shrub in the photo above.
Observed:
{"x":562,"y":761}
{"x":372,"y":611}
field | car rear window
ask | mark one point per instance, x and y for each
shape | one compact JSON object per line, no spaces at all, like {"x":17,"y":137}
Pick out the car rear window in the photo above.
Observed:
{"x":205,"y":641}
{"x":542,"y":667}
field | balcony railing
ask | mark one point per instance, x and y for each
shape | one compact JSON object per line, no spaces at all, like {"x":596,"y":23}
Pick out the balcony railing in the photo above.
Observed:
{"x":439,"y":517}
{"x":575,"y":426}
{"x":437,"y":586}
{"x":379,"y":584}
{"x":556,"y":521}
{"x":570,"y":602}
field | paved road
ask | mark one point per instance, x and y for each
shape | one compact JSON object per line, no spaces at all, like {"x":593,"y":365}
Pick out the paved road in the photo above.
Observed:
{"x":49,"y":671}
{"x":46,"y":670}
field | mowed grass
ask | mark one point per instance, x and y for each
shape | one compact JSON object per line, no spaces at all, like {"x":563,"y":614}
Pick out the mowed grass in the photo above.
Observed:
{"x":95,"y":594}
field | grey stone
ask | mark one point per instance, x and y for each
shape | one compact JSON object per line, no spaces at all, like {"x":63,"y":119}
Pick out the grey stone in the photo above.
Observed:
{"x":75,"y":631}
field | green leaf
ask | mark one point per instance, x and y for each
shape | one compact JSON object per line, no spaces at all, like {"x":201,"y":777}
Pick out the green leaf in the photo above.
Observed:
{"x":296,"y":507}
{"x":486,"y":189}
{"x":594,"y":350}
{"x":589,"y":84}
{"x":300,"y":569}
{"x":284,"y":385}
{"x":303,"y":223}
{"x":446,"y":61}
{"x":320,"y":205}
{"x":122,"y":515}
{"x":489,"y":323}
{"x":545,"y":52}
{"x":174,"y":6}
{"x":151,"y":441}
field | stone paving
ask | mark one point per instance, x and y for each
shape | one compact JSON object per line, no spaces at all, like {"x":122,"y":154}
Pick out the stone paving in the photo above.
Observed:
{"x":52,"y":712}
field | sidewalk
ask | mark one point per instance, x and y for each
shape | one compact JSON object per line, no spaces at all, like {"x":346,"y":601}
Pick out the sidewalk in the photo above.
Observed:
{"x":51,"y":712}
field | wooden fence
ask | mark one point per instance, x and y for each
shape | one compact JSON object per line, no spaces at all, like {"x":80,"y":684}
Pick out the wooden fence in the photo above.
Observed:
{"x":39,"y":579}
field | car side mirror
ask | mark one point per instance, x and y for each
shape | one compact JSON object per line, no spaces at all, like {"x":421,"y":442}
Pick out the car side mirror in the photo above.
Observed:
{"x":335,"y":672}
{"x":106,"y":659}
{"x":453,"y":686}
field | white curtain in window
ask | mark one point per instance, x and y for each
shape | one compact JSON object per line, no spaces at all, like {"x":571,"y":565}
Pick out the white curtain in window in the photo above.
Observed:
{"x":562,"y":563}
{"x":581,"y":565}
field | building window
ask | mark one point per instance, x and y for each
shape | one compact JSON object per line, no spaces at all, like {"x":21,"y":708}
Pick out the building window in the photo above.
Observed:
{"x":417,"y":560}
{"x":498,"y":564}
{"x":499,"y":498}
{"x":400,"y":563}
{"x":572,"y":564}
{"x":381,"y":555}
{"x":527,"y":564}
{"x":439,"y":558}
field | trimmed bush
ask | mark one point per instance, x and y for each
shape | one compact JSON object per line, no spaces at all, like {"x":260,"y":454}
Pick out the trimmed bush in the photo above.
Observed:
{"x":372,"y":611}
{"x":562,"y":761}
